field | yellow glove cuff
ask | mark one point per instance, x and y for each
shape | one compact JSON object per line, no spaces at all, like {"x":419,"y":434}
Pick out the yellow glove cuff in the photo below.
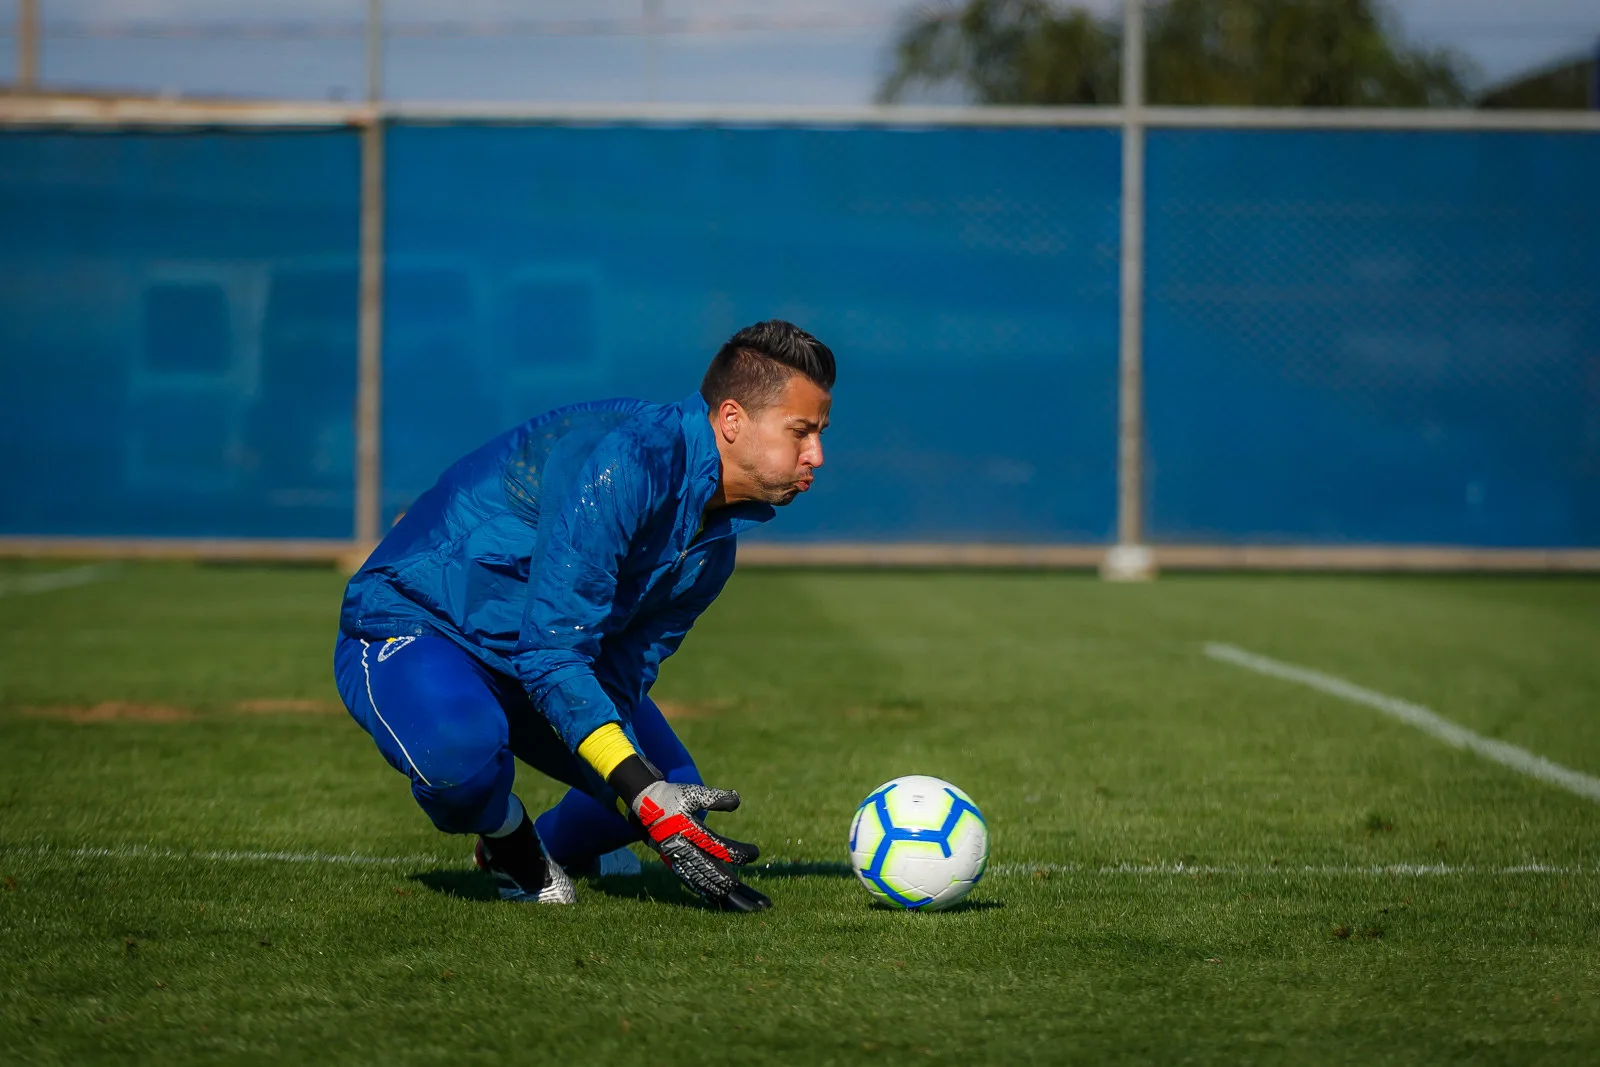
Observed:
{"x":605,"y":748}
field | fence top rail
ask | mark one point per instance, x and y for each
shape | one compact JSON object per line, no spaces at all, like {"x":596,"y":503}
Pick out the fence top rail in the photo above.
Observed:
{"x":96,"y":112}
{"x":1371,"y":118}
{"x":883,"y":115}
{"x":25,"y":110}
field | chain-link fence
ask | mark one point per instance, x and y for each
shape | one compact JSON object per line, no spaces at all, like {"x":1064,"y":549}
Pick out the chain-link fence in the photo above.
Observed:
{"x":1351,"y":337}
{"x":177,"y":334}
{"x":1380,"y":337}
{"x":967,"y":278}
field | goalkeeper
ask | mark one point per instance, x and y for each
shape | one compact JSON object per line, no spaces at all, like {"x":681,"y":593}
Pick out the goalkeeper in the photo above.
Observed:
{"x":522,"y":608}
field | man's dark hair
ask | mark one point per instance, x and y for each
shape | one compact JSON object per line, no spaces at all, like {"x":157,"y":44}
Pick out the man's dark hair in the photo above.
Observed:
{"x":754,"y":366}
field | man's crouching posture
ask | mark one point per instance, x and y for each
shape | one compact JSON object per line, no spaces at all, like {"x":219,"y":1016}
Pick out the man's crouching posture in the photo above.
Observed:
{"x":523,"y":606}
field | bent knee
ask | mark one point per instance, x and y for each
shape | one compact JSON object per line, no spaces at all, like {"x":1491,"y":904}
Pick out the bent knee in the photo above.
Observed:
{"x":450,"y":760}
{"x":472,"y":802}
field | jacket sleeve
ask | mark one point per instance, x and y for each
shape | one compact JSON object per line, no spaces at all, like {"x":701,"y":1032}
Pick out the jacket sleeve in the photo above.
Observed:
{"x":665,"y":632}
{"x":585,"y":539}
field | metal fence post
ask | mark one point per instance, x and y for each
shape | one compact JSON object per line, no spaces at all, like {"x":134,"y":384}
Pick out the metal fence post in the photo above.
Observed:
{"x":369,"y":360}
{"x":369,"y":381}
{"x":374,"y":51}
{"x":27,"y":45}
{"x":1130,"y":559}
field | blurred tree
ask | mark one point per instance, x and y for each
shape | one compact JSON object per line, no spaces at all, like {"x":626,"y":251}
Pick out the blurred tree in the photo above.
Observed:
{"x":1573,"y":85}
{"x":1008,"y":52}
{"x":1262,"y":53}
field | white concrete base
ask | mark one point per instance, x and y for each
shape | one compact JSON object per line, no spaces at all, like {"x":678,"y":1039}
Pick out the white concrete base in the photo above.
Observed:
{"x":1128,"y":563}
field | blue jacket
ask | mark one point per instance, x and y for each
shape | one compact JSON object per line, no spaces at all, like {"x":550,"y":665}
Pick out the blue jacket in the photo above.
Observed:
{"x":567,"y":552}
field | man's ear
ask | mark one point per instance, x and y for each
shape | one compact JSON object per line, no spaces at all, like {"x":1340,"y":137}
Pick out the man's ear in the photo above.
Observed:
{"x":730,"y":419}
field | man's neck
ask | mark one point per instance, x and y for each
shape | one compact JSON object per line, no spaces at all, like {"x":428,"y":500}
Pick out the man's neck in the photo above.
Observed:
{"x":718,"y":500}
{"x":722,"y":498}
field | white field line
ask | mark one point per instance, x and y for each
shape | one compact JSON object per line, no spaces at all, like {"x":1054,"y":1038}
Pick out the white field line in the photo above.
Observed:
{"x":1424,"y":719}
{"x":147,"y":852}
{"x":52,"y":580}
{"x":1443,"y":870}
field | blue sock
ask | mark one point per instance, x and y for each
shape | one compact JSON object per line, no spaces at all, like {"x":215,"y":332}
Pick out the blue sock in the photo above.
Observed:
{"x":581,"y":828}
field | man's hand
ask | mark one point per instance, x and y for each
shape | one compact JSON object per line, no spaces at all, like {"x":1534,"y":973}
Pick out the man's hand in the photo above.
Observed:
{"x":670,"y":814}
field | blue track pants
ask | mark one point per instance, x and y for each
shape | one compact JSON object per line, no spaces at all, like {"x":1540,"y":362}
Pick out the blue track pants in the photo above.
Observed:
{"x":453,"y":726}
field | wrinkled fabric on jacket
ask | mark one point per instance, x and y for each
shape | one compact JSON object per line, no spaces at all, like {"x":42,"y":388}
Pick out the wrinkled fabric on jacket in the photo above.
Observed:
{"x":567,"y":552}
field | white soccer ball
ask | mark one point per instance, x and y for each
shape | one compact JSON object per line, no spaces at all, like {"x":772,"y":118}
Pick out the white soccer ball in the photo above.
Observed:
{"x":919,"y":842}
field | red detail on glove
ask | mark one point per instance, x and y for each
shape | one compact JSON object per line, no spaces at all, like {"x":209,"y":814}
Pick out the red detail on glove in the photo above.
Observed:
{"x":649,"y":811}
{"x":682,"y":824}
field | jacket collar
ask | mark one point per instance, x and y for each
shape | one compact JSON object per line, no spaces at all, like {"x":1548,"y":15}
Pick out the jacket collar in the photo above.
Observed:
{"x":704,"y":470}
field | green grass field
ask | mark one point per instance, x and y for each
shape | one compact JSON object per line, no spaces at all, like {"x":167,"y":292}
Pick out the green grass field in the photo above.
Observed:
{"x":1192,"y":863}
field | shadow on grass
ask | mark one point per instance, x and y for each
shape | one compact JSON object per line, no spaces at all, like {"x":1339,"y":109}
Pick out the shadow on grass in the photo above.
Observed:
{"x":656,"y":887}
{"x":954,"y":909}
{"x":655,"y":884}
{"x":470,"y":884}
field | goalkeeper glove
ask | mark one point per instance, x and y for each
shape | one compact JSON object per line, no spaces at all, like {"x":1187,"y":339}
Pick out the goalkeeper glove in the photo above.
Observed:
{"x":670,"y":814}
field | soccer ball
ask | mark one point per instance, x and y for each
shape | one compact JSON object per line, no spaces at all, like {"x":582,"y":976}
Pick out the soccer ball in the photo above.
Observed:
{"x":919,"y":842}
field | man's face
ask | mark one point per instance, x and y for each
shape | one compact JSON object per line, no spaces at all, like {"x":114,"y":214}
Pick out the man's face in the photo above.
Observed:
{"x":779,"y":448}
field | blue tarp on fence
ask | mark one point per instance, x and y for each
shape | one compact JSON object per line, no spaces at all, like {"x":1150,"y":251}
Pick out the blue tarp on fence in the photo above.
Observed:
{"x":1373,"y":337}
{"x":1350,"y":336}
{"x":178,"y":334}
{"x":966,"y":278}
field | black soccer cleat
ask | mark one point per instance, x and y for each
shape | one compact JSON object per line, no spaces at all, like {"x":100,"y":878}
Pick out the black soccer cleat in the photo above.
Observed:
{"x":554,"y":888}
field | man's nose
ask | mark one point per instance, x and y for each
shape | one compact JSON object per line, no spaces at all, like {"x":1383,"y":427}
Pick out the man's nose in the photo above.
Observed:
{"x":813,"y":456}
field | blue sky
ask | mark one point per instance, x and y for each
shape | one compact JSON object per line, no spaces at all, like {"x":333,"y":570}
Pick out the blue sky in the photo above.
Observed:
{"x":703,"y":51}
